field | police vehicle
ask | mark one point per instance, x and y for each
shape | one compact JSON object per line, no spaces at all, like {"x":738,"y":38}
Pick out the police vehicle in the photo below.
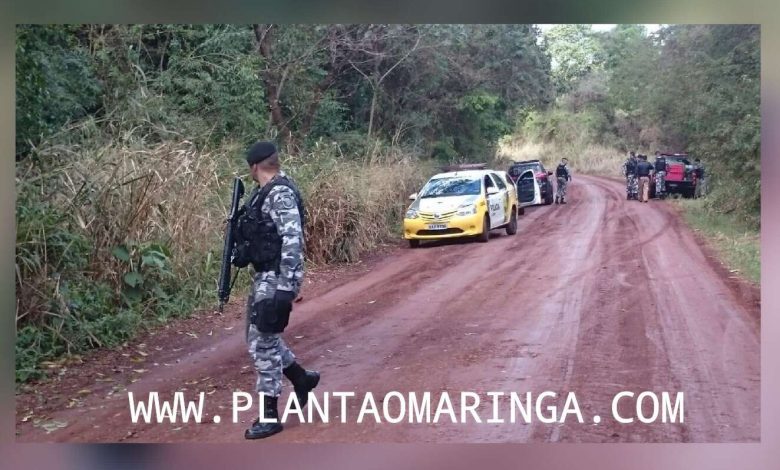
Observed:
{"x":467,"y":203}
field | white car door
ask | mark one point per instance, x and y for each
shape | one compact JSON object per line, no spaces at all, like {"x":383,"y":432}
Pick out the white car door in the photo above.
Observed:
{"x":495,"y":202}
{"x":527,"y":189}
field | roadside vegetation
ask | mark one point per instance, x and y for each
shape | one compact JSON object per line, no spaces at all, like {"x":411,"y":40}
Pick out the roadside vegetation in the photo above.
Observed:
{"x":691,"y":88}
{"x":128,"y":138}
{"x":737,"y":244}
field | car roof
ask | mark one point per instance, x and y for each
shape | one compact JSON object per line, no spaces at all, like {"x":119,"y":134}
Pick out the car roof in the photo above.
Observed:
{"x":526,"y":162}
{"x":465,"y":174}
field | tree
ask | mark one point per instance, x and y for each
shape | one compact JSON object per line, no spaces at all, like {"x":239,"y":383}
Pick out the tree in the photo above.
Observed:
{"x":574,"y":52}
{"x":55,"y":82}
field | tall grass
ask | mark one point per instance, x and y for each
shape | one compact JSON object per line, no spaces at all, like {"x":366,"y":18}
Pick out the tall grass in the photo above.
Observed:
{"x":353,"y":204}
{"x":592,"y":159}
{"x":115,"y":234}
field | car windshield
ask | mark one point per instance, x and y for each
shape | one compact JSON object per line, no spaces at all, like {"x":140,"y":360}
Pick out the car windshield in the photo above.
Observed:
{"x":455,"y":186}
{"x":516,"y":170}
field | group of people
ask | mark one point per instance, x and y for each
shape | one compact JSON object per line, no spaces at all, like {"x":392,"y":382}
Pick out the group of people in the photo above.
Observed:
{"x":638,"y":172}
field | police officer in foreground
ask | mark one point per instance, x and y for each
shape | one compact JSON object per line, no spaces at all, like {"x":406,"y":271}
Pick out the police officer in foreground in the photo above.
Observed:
{"x":644,"y":171}
{"x":563,"y":176}
{"x":660,"y":175}
{"x":629,"y":171}
{"x":270,"y":237}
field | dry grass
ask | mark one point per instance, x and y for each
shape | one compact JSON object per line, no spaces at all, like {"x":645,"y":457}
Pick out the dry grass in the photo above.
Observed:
{"x":589,"y":159}
{"x":177,"y":195}
{"x":115,"y":194}
{"x":351,"y":205}
{"x":104,"y":197}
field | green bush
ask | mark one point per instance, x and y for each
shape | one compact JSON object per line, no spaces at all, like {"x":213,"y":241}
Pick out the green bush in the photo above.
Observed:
{"x":444,"y":150}
{"x":55,"y":82}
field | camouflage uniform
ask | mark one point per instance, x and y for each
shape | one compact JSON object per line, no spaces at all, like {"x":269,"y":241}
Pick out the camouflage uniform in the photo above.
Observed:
{"x":660,"y":175}
{"x":563,"y":181}
{"x":560,"y":190}
{"x":632,"y":183}
{"x":268,"y":351}
{"x":660,"y":183}
{"x":701,"y":183}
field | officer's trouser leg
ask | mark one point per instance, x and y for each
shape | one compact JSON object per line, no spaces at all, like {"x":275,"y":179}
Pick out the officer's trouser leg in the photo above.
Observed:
{"x":660,"y":183}
{"x":269,"y":354}
{"x":561,"y":188}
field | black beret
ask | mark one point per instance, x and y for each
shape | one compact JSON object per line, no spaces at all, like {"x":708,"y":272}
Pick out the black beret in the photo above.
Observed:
{"x":259,"y":152}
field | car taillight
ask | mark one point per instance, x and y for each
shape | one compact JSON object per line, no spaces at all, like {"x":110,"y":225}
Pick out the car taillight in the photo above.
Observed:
{"x":540,"y":175}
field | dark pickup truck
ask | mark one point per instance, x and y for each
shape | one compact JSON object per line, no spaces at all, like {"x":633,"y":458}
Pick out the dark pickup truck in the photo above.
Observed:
{"x":541,"y":175}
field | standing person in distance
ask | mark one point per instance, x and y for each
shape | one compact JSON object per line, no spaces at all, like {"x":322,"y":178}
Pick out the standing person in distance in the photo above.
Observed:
{"x":701,"y":181}
{"x":629,"y":171}
{"x":563,"y":176}
{"x":660,"y":175}
{"x":644,"y":170}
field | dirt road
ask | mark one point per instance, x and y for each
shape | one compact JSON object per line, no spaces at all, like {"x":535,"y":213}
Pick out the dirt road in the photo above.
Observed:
{"x":597,"y":296}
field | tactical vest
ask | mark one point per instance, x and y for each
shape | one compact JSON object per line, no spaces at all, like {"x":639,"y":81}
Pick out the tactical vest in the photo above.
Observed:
{"x":630,"y":166}
{"x":258,"y":241}
{"x":561,"y":171}
{"x":660,"y":164}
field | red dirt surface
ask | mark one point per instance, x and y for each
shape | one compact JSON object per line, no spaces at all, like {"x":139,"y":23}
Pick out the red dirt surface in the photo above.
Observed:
{"x":596,"y":296}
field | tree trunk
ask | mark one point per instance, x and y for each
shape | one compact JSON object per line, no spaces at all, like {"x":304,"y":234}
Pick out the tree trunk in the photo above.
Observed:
{"x":264,"y":37}
{"x":371,"y":112}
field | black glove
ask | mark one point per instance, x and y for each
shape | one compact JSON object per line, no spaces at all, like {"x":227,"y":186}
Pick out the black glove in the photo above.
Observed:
{"x":283,"y":300}
{"x":240,"y":257}
{"x":272,"y":315}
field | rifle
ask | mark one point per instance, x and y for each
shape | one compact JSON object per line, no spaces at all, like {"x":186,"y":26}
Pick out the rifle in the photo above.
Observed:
{"x":225,"y":285}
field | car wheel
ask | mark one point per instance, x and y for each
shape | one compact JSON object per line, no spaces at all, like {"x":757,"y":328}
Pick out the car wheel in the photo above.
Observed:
{"x":485,"y":235}
{"x":549,"y":198}
{"x":511,"y":228}
{"x":521,"y":211}
{"x":414,"y":243}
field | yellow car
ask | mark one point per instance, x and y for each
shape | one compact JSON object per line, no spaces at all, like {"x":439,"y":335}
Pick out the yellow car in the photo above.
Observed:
{"x":462,"y":204}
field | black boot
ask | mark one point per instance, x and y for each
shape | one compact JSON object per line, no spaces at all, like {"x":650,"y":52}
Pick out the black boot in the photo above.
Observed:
{"x":262,"y":430}
{"x":563,"y":201}
{"x":303,"y":381}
